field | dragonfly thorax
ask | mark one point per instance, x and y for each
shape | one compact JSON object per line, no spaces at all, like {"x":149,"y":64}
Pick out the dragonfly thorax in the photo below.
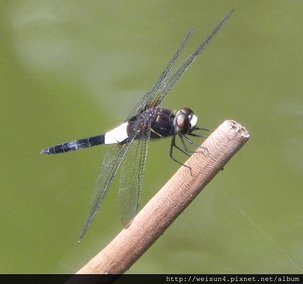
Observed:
{"x":185,"y":121}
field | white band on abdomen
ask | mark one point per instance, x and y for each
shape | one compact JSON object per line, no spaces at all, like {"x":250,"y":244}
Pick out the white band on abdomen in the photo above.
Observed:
{"x":117,"y":134}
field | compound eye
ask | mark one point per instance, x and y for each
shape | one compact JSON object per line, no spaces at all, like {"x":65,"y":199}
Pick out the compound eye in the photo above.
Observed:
{"x":183,"y":120}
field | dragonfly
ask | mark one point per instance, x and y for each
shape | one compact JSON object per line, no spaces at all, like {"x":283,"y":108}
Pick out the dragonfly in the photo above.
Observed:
{"x":147,"y":121}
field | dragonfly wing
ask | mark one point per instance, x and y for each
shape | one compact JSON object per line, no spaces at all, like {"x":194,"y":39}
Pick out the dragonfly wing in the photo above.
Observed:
{"x":151,"y":95}
{"x":172,"y":73}
{"x":111,"y":164}
{"x":172,"y":80}
{"x":131,"y":180}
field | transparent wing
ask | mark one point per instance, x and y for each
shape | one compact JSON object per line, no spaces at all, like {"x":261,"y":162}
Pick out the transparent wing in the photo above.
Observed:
{"x":180,"y":71}
{"x":160,"y":84}
{"x":131,"y":180}
{"x":110,"y":167}
{"x":172,"y":74}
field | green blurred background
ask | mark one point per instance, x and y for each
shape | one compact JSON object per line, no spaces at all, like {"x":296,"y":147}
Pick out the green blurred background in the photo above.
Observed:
{"x":73,"y":69}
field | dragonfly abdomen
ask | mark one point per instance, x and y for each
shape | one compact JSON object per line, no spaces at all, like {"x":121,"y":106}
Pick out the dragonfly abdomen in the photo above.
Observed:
{"x":74,"y":145}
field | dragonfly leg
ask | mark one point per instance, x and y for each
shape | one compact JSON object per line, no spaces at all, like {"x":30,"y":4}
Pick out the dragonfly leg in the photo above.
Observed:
{"x":198,"y":135}
{"x":174,"y":145}
{"x":202,"y":128}
{"x":192,"y":143}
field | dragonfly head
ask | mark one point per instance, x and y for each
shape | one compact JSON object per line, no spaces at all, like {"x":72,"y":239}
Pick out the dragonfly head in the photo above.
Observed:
{"x":185,"y":121}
